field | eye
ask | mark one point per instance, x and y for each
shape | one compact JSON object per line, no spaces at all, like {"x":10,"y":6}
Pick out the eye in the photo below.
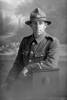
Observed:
{"x":40,"y":22}
{"x":33,"y":23}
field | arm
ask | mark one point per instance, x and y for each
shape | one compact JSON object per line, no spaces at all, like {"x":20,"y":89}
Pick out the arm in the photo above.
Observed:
{"x":52,"y":55}
{"x":17,"y":66}
{"x":51,"y":59}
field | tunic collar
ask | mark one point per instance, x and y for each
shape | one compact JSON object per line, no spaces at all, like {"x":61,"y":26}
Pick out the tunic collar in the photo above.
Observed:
{"x":38,"y":40}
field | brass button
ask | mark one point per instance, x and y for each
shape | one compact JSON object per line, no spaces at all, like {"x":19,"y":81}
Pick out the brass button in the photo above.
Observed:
{"x":33,"y":43}
{"x":31,"y":52}
{"x":41,"y":63}
{"x":41,"y":55}
{"x":30,"y":60}
{"x":35,"y":55}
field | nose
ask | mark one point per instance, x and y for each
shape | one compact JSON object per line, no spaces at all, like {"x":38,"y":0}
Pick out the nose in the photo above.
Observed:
{"x":37,"y":25}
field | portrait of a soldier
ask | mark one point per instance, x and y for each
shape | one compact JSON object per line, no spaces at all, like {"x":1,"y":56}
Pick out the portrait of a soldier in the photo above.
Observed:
{"x":37,"y":51}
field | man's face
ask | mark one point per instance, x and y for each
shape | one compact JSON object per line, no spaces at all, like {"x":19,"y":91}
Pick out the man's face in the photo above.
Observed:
{"x":38,"y":27}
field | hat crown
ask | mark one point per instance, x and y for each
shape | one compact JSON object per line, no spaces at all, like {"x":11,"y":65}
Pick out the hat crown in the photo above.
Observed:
{"x":36,"y":10}
{"x":37,"y":13}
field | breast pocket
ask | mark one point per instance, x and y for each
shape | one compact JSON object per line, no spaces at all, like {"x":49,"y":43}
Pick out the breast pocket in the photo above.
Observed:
{"x":25,"y":57}
{"x":25,"y":53}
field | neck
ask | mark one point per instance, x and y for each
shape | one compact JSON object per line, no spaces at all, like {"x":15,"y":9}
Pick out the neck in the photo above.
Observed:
{"x":38,"y":35}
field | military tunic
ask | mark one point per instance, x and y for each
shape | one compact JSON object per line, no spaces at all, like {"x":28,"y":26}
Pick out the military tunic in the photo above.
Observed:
{"x":35,"y":55}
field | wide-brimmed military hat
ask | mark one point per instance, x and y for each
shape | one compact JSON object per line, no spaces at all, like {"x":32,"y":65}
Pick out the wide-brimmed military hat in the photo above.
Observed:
{"x":37,"y":15}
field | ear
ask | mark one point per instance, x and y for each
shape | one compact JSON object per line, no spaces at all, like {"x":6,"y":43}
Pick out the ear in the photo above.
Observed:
{"x":30,"y":25}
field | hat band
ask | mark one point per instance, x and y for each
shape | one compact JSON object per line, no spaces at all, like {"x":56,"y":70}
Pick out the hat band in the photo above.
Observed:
{"x":37,"y":18}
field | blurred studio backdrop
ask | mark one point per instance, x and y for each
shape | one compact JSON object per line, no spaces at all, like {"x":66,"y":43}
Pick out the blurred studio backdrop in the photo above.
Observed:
{"x":13,"y":14}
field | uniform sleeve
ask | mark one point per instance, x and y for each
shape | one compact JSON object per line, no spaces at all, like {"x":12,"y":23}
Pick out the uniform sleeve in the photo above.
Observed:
{"x":52,"y":55}
{"x":17,"y":66}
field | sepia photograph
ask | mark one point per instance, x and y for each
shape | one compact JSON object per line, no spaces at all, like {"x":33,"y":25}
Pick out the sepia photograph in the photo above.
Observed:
{"x":33,"y":50}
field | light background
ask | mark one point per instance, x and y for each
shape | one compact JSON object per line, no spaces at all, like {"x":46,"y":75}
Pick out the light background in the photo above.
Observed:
{"x":13,"y":14}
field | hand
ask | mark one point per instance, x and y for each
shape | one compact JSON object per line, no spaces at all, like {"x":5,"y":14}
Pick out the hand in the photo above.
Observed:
{"x":36,"y":66}
{"x":39,"y":65}
{"x":25,"y":71}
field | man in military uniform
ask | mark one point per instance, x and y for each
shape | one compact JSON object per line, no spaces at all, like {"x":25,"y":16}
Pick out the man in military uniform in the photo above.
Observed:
{"x":37,"y":51}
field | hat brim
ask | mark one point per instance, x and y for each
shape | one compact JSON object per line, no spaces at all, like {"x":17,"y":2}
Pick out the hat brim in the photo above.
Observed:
{"x":29,"y":22}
